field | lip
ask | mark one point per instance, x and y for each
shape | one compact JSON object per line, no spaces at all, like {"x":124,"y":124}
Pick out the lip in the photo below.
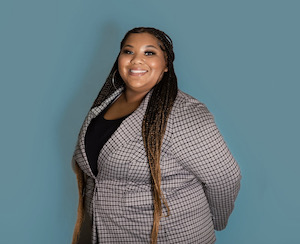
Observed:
{"x":137,"y":72}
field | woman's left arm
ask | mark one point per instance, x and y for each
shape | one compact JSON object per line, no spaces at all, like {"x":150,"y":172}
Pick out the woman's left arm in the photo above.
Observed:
{"x":201,"y":149}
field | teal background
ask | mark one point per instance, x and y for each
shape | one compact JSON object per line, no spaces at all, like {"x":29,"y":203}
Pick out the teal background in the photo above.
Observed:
{"x":241,"y":58}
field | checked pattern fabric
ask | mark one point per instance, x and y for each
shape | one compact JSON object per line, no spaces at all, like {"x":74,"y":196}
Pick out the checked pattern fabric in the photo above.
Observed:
{"x":200,"y":178}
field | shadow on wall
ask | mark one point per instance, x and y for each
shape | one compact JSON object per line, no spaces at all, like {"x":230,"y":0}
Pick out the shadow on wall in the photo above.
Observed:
{"x":81,"y":101}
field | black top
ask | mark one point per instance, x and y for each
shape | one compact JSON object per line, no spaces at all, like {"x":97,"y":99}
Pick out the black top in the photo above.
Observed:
{"x":97,"y":134}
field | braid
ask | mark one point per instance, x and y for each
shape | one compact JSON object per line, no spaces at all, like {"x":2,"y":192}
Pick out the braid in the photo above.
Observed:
{"x":155,"y":119}
{"x":153,"y":130}
{"x":108,"y":88}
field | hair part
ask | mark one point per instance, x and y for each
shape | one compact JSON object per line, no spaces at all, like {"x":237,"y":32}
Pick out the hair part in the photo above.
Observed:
{"x":155,"y":119}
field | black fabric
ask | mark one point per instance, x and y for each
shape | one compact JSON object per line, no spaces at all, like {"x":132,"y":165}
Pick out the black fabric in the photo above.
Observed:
{"x":98,"y":133}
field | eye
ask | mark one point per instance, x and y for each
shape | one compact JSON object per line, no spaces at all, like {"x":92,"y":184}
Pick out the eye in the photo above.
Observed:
{"x":149,"y":53}
{"x":127,"y":51}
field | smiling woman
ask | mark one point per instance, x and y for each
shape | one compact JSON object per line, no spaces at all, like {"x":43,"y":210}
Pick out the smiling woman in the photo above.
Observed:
{"x":141,"y":64}
{"x":151,"y":164}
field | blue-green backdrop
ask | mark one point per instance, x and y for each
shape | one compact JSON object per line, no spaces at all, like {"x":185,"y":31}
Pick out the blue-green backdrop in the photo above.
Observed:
{"x":241,"y":58}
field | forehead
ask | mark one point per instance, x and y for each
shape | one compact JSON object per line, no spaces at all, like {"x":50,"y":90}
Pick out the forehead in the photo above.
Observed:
{"x":142,"y":39}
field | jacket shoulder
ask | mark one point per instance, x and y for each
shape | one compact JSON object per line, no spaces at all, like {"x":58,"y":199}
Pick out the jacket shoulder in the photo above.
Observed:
{"x":186,"y":105}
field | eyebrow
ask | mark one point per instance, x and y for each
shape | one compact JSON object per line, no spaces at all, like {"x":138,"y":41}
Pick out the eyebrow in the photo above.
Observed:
{"x":151,"y":46}
{"x":146,"y":46}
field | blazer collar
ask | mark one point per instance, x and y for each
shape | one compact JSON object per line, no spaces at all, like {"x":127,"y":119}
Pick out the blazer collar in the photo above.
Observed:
{"x":129,"y":129}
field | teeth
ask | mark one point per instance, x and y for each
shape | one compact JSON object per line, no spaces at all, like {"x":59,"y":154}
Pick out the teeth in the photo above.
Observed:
{"x":138,"y":71}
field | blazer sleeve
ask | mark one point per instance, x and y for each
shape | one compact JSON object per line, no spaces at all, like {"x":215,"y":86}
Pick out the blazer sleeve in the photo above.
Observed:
{"x":200,"y":148}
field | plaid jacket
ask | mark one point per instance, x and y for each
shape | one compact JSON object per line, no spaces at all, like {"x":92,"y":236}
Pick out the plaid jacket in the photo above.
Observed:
{"x":199,"y":178}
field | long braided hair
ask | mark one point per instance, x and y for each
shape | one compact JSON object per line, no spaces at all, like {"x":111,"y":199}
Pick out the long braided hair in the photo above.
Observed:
{"x":155,"y":118}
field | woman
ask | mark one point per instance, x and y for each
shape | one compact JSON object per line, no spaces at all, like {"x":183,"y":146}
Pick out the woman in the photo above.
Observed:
{"x":151,"y":164}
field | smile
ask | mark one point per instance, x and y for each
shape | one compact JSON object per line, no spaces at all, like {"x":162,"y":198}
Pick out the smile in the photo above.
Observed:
{"x":137,"y":71}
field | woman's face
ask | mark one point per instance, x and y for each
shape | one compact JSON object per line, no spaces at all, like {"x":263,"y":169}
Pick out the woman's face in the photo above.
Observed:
{"x":141,"y":62}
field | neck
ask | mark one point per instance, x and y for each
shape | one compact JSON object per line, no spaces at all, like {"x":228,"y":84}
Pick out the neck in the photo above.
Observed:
{"x":133,"y":97}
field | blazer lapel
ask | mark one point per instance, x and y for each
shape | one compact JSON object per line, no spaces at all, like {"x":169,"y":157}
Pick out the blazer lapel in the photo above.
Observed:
{"x":80,"y":154}
{"x":129,"y":130}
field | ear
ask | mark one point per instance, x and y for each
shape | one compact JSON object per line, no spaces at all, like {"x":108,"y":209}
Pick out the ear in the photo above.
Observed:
{"x":166,"y":69}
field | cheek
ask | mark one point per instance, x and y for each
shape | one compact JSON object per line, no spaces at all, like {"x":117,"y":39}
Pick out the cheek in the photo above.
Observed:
{"x":122,"y":62}
{"x":121,"y":67}
{"x":158,"y":65}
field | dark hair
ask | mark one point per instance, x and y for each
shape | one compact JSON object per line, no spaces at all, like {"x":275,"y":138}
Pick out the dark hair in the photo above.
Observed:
{"x":155,"y":118}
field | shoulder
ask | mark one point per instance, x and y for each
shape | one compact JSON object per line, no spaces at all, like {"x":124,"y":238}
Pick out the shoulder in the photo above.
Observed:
{"x":187,"y":107}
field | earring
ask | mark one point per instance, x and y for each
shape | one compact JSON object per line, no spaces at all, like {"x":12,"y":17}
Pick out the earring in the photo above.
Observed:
{"x":113,"y":80}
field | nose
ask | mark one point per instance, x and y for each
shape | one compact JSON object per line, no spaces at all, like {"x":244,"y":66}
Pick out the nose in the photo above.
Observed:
{"x":137,"y":59}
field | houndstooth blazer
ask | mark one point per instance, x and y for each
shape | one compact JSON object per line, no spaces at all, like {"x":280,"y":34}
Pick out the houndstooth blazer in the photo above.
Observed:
{"x":199,"y":178}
